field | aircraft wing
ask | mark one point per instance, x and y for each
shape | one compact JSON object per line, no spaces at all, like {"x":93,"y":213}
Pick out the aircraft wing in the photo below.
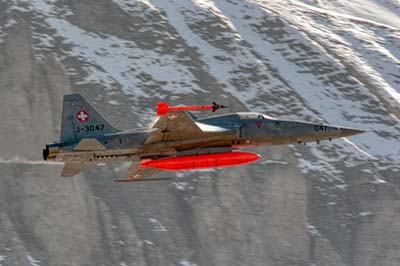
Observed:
{"x":175,"y":125}
{"x":74,"y":168}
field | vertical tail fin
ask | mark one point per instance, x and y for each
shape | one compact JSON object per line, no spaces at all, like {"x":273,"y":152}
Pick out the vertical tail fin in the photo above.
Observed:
{"x":81,"y":120}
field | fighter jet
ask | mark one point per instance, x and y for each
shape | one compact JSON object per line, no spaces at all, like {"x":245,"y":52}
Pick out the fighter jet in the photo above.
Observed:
{"x":178,"y":141}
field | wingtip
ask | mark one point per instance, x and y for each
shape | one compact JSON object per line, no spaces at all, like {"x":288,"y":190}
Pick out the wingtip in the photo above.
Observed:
{"x":216,"y":106}
{"x":162,"y":108}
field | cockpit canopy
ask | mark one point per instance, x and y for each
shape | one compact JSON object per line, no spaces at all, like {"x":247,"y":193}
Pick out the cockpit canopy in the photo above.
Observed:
{"x":233,"y":118}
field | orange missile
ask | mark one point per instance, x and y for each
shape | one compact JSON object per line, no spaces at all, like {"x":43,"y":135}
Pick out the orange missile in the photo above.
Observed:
{"x":163,"y":108}
{"x":201,"y":161}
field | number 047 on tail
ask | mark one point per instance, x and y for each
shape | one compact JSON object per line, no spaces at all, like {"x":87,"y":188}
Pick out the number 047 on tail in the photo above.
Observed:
{"x":178,"y":141}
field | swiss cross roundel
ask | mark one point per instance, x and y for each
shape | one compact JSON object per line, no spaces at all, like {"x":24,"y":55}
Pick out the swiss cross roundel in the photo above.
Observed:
{"x":82,"y":116}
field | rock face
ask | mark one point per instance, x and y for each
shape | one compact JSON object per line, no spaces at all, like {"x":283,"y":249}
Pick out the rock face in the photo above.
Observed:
{"x":332,"y":204}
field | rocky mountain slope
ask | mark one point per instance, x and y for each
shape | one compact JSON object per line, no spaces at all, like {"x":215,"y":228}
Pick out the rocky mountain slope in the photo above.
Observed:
{"x":334,"y":61}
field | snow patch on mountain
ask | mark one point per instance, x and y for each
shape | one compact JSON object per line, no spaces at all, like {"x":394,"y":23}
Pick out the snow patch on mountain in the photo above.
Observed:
{"x":5,"y":28}
{"x":385,"y":12}
{"x":32,"y":261}
{"x":110,"y":60}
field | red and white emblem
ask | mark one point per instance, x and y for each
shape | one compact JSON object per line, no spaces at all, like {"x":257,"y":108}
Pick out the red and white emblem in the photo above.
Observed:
{"x":82,"y":116}
{"x":172,"y":117}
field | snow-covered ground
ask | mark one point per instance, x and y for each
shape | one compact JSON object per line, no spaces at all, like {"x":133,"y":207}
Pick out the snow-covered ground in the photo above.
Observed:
{"x":4,"y":28}
{"x":32,"y":261}
{"x":382,"y":11}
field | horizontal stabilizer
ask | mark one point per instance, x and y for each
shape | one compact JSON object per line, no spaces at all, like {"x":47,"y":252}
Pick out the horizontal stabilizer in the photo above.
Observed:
{"x":71,"y":169}
{"x":89,"y":145}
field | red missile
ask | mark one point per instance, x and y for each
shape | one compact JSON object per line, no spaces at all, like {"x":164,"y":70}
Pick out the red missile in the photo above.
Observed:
{"x":163,"y":108}
{"x":201,"y":161}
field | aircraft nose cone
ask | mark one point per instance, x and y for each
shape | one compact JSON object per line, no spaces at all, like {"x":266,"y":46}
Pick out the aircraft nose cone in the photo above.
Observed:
{"x":345,"y":132}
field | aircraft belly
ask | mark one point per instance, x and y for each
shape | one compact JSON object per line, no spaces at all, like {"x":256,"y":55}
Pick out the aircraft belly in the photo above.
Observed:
{"x":261,"y":141}
{"x":297,"y":134}
{"x":208,"y":140}
{"x":74,"y":156}
{"x":309,"y":133}
{"x":204,"y":144}
{"x":268,"y":136}
{"x":98,"y":156}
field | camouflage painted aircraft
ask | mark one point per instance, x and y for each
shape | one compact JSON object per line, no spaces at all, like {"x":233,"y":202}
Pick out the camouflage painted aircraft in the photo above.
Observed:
{"x":178,"y":141}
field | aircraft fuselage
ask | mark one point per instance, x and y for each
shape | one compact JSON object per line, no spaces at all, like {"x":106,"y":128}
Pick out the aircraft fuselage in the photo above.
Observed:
{"x":242,"y":130}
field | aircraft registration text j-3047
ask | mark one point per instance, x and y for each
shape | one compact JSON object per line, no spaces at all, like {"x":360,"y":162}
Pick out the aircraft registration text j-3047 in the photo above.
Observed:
{"x":89,"y":128}
{"x":178,"y":141}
